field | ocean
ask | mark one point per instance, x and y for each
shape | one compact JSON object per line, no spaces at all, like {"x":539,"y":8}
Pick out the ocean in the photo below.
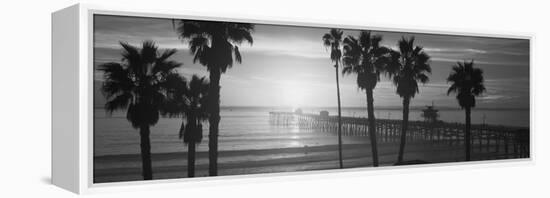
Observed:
{"x":248,"y":128}
{"x":249,"y":144}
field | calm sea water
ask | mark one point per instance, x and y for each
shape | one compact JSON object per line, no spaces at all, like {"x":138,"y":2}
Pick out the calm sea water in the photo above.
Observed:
{"x":516,"y":117}
{"x":247,"y":128}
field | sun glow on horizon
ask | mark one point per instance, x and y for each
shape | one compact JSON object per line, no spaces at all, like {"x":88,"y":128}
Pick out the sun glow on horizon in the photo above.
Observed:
{"x":293,"y":96}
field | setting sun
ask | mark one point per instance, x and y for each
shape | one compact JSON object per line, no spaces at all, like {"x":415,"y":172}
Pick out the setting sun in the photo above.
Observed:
{"x":293,"y":95}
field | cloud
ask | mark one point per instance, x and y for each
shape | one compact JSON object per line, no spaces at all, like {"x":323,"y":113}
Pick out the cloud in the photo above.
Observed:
{"x":481,"y":61}
{"x":455,"y":50}
{"x":291,"y":46}
{"x":289,"y":56}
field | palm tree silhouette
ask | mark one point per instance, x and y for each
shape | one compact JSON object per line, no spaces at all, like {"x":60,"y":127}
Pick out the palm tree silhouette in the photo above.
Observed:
{"x":366,"y":58}
{"x":409,"y":66}
{"x":214,"y":45}
{"x":139,"y":84}
{"x":189,"y":100}
{"x":467,"y":82}
{"x":333,"y":39}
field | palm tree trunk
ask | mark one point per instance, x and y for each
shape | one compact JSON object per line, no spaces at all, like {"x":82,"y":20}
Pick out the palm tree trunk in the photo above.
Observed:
{"x":191,"y":159}
{"x":467,"y":134}
{"x":372,"y":127}
{"x":147,"y":169}
{"x":213,"y":120}
{"x":339,"y":118}
{"x":406,"y":101}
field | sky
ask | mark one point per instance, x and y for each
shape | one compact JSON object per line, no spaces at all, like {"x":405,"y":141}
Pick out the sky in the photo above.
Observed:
{"x":289,"y":66}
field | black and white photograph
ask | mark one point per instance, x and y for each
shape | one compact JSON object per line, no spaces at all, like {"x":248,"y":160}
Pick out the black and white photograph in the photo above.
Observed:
{"x":180,"y":98}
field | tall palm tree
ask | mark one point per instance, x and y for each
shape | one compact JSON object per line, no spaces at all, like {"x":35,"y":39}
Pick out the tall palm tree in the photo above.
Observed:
{"x":189,"y":100}
{"x":215,"y":45}
{"x":139,"y":84}
{"x":366,"y":58}
{"x":333,"y":39}
{"x":409,"y":66}
{"x":467,"y":82}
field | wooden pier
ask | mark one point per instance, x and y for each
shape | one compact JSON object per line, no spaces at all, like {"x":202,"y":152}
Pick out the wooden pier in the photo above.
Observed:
{"x":512,"y":142}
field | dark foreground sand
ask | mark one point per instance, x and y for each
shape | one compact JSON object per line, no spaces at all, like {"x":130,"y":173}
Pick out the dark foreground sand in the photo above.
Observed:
{"x":174,"y":165}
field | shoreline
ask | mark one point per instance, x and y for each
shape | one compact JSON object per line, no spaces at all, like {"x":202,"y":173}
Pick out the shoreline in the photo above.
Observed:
{"x":174,"y":165}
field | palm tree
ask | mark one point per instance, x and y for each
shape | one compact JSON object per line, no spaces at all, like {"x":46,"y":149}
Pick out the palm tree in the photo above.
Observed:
{"x":366,"y":58}
{"x":139,"y":84}
{"x":409,"y":66}
{"x":467,"y":82}
{"x":215,"y":45}
{"x":189,"y":100}
{"x":333,"y":39}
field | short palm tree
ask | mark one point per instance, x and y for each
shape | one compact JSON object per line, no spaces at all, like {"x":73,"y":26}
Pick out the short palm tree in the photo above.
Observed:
{"x":368,"y":59}
{"x":409,"y":66}
{"x":139,"y":84}
{"x":215,"y":45}
{"x":189,"y":101}
{"x":333,"y":39}
{"x":467,"y":82}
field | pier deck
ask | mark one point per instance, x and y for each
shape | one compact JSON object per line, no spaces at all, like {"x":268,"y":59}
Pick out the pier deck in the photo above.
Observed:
{"x":512,"y":141}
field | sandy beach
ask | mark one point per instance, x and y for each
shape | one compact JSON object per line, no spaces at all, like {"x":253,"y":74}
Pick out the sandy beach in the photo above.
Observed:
{"x":173,"y":165}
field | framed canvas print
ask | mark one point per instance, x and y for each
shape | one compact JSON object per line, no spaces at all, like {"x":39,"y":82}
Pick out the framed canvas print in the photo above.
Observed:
{"x":141,"y":96}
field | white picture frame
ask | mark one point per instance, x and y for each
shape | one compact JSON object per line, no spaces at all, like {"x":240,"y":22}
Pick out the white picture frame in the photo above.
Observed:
{"x":72,"y":101}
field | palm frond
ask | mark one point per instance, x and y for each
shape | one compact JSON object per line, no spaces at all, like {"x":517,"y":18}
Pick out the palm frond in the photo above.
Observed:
{"x":176,"y":89}
{"x":117,"y":79}
{"x":452,"y":89}
{"x":393,"y":65}
{"x":327,"y":40}
{"x":365,"y":39}
{"x":347,"y":69}
{"x":237,"y":53}
{"x":182,"y":130}
{"x":165,"y":66}
{"x":333,"y":39}
{"x":213,"y":44}
{"x":352,"y":52}
{"x":188,"y":28}
{"x":138,"y":83}
{"x":408,"y":67}
{"x":467,"y":82}
{"x":149,"y":52}
{"x":166,"y":54}
{"x":131,"y":56}
{"x":118,"y":102}
{"x":367,"y":58}
{"x":423,"y":78}
{"x":336,"y":34}
{"x":239,"y":32}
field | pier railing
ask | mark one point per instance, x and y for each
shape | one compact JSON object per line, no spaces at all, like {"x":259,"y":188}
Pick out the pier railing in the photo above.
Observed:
{"x":513,"y":142}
